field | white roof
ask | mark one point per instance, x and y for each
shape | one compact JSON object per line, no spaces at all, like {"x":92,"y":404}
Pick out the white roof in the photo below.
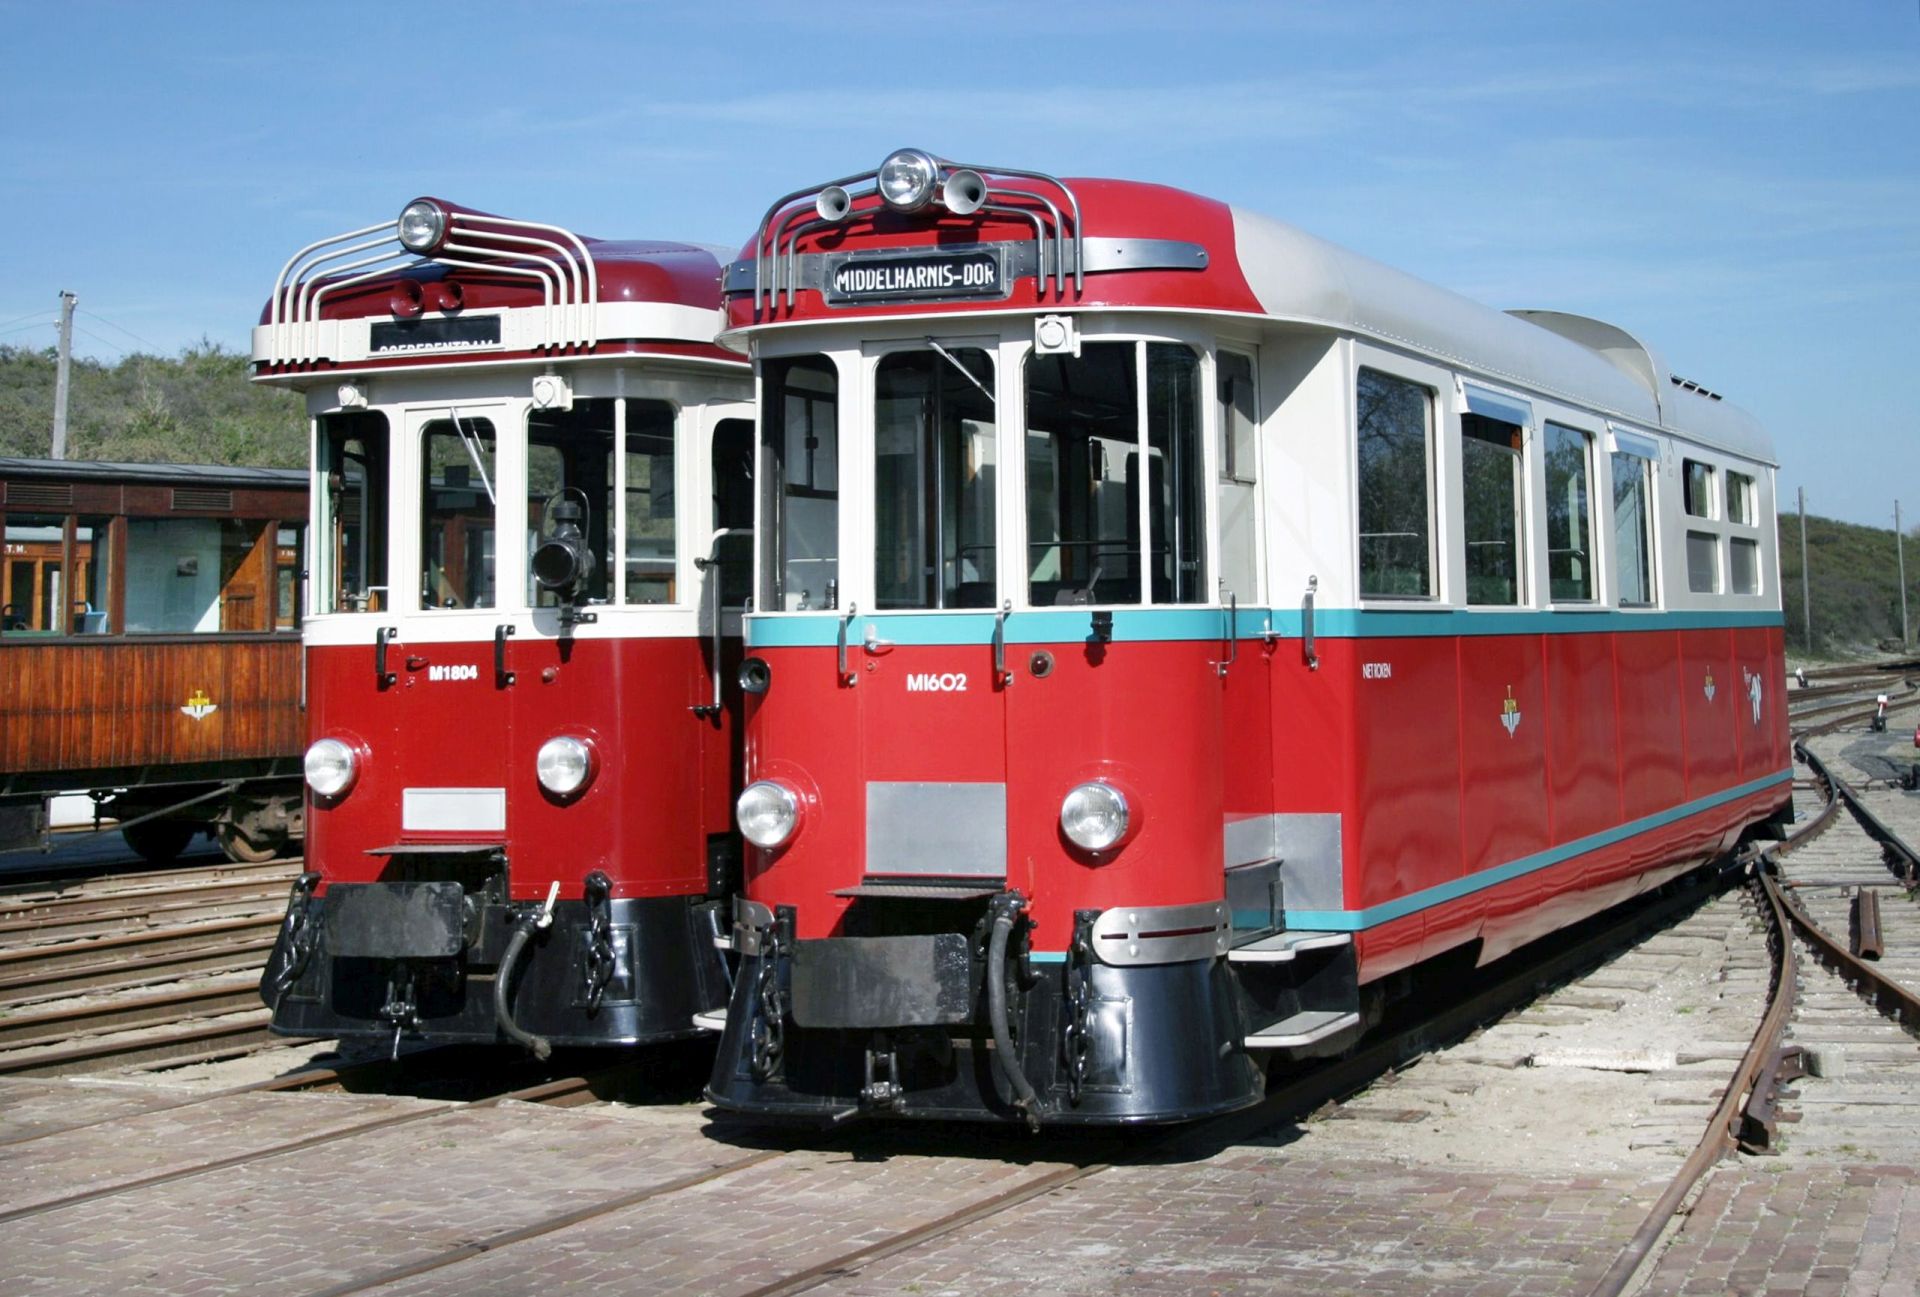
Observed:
{"x":1299,"y":277}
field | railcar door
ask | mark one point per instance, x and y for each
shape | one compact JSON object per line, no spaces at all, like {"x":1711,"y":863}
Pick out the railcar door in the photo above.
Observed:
{"x":1115,"y":666}
{"x":932,"y":723}
{"x":449,"y":701}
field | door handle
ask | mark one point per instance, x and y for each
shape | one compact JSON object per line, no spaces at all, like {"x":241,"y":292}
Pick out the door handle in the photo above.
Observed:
{"x":381,"y":676}
{"x":847,"y":678}
{"x":501,"y":676}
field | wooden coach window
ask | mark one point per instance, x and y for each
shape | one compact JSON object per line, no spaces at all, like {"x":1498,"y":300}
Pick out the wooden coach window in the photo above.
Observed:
{"x":351,"y":550}
{"x":198,"y":576}
{"x":1393,"y":422}
{"x":457,"y":513}
{"x":800,"y":505}
{"x":1490,"y":467}
{"x":1569,"y":514}
{"x":33,"y":585}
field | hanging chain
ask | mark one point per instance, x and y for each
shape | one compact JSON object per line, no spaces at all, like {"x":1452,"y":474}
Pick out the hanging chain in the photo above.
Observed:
{"x":597,"y":959}
{"x":302,"y":936}
{"x":1076,"y":1038}
{"x":769,"y":1027}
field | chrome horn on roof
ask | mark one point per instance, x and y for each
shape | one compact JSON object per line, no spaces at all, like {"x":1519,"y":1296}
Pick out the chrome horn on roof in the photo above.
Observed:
{"x":557,"y":258}
{"x":920,"y":179}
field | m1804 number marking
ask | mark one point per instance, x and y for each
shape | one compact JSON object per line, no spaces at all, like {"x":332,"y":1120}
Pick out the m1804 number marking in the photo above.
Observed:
{"x":926,"y":682}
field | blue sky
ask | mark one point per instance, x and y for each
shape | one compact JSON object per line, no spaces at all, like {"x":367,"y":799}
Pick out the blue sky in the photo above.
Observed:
{"x":1737,"y":183}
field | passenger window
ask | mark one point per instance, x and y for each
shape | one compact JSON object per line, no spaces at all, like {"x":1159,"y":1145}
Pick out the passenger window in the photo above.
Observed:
{"x":1633,"y":528}
{"x":570,"y":457}
{"x":1744,"y":563}
{"x":1703,"y":562}
{"x":733,"y":508}
{"x":1085,"y":457}
{"x":650,"y":567}
{"x":1393,"y":422}
{"x":92,"y":576}
{"x":800,"y":460}
{"x":1740,"y":507}
{"x":1569,"y":514}
{"x":934,"y":430}
{"x":1698,"y":480}
{"x":351,"y":555}
{"x":1490,"y":465}
{"x":457,"y":513}
{"x":1238,"y":411}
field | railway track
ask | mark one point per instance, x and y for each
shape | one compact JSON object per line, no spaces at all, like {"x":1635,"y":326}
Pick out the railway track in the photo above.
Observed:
{"x":1849,"y":1020}
{"x":1058,"y":1162}
{"x":142,"y":970}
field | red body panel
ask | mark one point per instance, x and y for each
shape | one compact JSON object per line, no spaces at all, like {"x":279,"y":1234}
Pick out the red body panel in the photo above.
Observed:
{"x":663,"y":782}
{"x":1411,"y":751}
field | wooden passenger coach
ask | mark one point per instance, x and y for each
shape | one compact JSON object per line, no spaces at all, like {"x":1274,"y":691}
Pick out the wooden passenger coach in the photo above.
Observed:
{"x":149,"y":641}
{"x":1173,"y":632}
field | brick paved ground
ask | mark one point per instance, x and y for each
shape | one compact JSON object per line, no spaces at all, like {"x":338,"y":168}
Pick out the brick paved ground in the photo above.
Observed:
{"x":1288,"y":1214}
{"x":1822,"y":1231}
{"x":28,"y":1107}
{"x":1258,"y":1220}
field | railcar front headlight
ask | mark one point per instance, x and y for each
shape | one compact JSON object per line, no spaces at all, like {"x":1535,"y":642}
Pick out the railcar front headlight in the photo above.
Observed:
{"x":905,"y":179}
{"x":330,"y":767}
{"x":423,"y":223}
{"x":768,"y":813}
{"x":1094,"y":816}
{"x":564,"y":765}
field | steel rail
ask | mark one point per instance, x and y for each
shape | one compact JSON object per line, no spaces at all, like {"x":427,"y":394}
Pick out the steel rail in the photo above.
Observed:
{"x":1504,"y":990}
{"x":1752,"y":1076}
{"x":166,"y":1008}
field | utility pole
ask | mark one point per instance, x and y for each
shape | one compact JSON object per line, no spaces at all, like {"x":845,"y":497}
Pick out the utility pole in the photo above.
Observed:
{"x":64,"y":375}
{"x":1900,"y":554}
{"x":1806,"y":599}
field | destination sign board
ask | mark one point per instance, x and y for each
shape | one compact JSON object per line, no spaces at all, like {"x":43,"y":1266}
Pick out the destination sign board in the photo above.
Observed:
{"x":977,"y":272}
{"x":448,"y":333}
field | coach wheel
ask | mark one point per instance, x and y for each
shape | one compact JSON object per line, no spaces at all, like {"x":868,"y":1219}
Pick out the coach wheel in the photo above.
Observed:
{"x":158,"y":842}
{"x":241,"y":849}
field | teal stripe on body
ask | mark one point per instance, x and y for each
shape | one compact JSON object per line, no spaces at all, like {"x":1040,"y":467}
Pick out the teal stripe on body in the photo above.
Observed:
{"x":1148,"y":625}
{"x":1400,"y":907}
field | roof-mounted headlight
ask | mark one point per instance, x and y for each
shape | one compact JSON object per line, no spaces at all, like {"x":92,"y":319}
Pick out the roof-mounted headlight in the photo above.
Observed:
{"x":1094,"y":816}
{"x":330,"y":767}
{"x":423,"y":223}
{"x":768,"y":813}
{"x":906,"y":179}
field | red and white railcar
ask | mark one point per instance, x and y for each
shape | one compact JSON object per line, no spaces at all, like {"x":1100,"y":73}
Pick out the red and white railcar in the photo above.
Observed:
{"x":530,"y":486}
{"x":1169,"y":625}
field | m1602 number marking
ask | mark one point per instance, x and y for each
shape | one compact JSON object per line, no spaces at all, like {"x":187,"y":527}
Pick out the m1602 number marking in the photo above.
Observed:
{"x":926,"y":682}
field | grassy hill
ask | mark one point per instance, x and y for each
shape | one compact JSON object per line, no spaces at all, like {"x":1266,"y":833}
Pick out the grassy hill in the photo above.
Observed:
{"x":1854,"y":585}
{"x":196,"y":408}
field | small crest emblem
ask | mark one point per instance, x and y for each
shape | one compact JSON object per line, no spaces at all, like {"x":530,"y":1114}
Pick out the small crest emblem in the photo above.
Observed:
{"x":1753,"y":691}
{"x":199,"y":706}
{"x":1510,"y":712}
{"x":1709,"y":689}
